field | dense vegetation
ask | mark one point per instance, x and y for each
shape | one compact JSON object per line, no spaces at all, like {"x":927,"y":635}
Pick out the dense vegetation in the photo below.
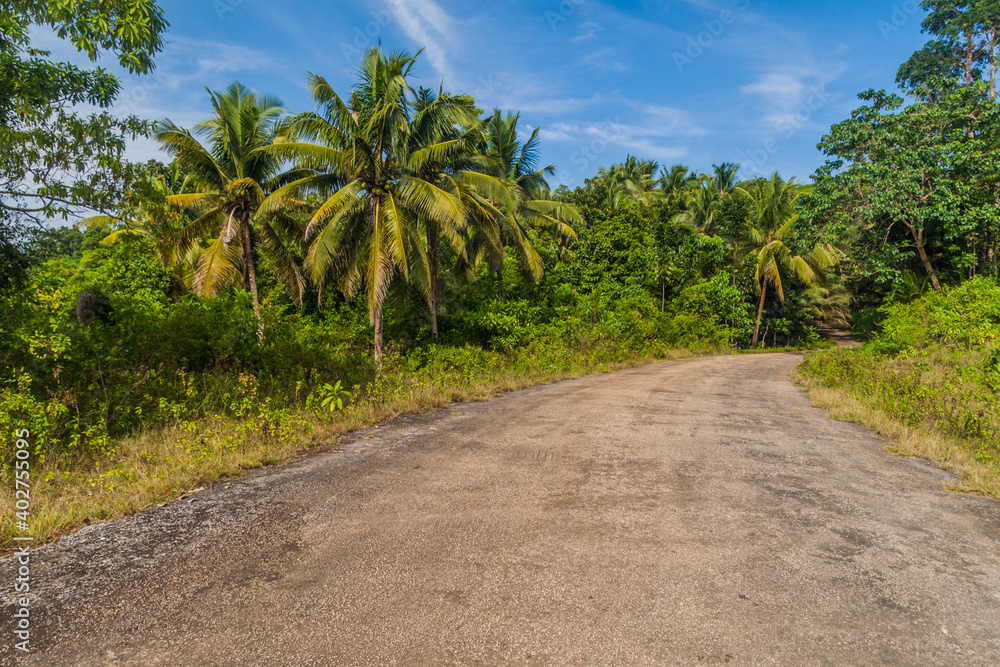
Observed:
{"x":916,"y":190}
{"x":935,"y":362}
{"x":400,"y":246}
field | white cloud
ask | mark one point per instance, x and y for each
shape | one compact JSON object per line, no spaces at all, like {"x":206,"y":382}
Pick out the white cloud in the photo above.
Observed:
{"x":527,"y":103}
{"x":786,"y":89}
{"x":430,"y":27}
{"x":604,"y":59}
{"x":176,"y":89}
{"x":651,"y":132}
{"x":782,"y":85}
{"x":588,"y":30}
{"x":672,"y":121}
{"x":559,"y":132}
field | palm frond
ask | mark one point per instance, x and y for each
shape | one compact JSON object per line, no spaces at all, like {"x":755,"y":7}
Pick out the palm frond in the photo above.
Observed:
{"x":284,"y":263}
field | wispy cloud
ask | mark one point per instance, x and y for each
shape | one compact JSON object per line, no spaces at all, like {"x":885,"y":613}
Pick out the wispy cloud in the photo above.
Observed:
{"x":588,"y":30}
{"x":782,"y":90}
{"x":604,"y":59}
{"x":431,"y":28}
{"x":177,"y":87}
{"x":670,"y":121}
{"x":526,"y":102}
{"x":652,"y":131}
{"x":560,"y":132}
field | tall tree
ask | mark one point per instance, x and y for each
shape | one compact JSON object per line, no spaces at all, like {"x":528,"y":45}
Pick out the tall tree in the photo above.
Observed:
{"x":920,"y":182}
{"x":631,"y":180}
{"x":702,"y":205}
{"x":54,"y":161}
{"x":229,"y":180}
{"x":675,"y":180}
{"x":451,"y":124}
{"x":771,"y":226}
{"x":146,"y":216}
{"x":724,"y":176}
{"x":360,"y":154}
{"x":964,"y":48}
{"x":532,"y":207}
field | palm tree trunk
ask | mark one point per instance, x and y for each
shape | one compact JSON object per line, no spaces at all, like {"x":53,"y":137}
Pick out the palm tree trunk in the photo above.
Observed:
{"x":379,"y":320}
{"x":500,"y":283}
{"x":760,"y":312}
{"x":736,"y":250}
{"x":432,"y":265}
{"x":250,"y":272}
{"x":663,"y":295}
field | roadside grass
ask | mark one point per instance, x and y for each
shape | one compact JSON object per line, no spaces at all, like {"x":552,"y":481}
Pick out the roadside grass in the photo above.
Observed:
{"x":978,"y":474}
{"x":162,"y":465}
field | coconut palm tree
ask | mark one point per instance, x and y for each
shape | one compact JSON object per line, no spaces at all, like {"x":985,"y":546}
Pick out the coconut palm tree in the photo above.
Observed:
{"x":724,"y":176}
{"x":702,"y":206}
{"x":228,"y":180}
{"x":360,"y":156}
{"x":632,"y":180}
{"x":830,"y":304}
{"x":499,"y":225}
{"x":772,"y":223}
{"x":155,"y":222}
{"x":440,"y":119}
{"x":673,"y":181}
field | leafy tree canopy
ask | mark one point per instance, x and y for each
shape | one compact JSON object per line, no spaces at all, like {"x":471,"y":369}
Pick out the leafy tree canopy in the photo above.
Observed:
{"x":53,"y":160}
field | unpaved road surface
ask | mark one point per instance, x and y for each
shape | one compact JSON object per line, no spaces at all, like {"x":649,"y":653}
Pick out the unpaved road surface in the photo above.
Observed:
{"x":689,"y":512}
{"x":839,"y":336}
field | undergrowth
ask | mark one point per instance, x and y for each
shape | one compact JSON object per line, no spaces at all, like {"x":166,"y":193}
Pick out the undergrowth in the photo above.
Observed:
{"x":931,"y":374}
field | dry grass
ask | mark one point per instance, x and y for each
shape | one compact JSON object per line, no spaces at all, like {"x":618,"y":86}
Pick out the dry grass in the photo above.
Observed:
{"x":162,"y":465}
{"x":978,"y":476}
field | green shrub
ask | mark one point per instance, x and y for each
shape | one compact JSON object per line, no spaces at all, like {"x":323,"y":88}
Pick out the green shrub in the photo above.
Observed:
{"x":967,"y":315}
{"x":709,"y":314}
{"x":936,"y":360}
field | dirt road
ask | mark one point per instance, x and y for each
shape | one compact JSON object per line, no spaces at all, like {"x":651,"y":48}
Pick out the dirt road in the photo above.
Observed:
{"x":688,"y":512}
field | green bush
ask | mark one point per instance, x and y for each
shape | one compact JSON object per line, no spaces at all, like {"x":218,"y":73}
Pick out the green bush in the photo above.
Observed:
{"x":709,"y":314}
{"x":966,"y":316}
{"x":935,"y":360}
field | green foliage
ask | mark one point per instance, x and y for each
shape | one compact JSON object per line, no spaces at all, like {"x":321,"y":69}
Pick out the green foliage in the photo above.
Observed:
{"x":332,"y":396}
{"x":916,"y":186}
{"x":935,"y":360}
{"x":505,"y":325}
{"x":711,"y":313}
{"x":226,"y":321}
{"x":20,"y":410}
{"x":966,"y":316}
{"x":695,"y":258}
{"x":616,"y":249}
{"x":54,"y":161}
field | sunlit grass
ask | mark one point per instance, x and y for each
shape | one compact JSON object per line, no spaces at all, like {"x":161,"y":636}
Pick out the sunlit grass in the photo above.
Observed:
{"x":977,"y":474}
{"x":162,"y":465}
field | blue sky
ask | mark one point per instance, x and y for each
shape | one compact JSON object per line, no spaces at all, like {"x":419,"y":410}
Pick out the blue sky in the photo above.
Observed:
{"x":695,"y":82}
